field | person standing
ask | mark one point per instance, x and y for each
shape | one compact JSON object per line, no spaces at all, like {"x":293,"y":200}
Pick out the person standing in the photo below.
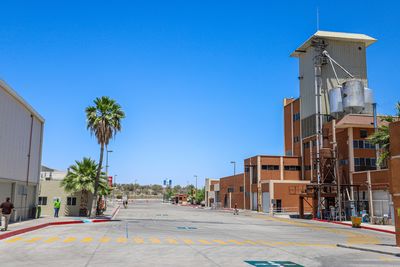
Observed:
{"x":57,"y":205}
{"x":6,"y":210}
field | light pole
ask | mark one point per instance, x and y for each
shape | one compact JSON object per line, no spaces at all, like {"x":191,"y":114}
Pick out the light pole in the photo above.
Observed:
{"x":115,"y":182}
{"x":108,"y":151}
{"x":195,"y":195}
{"x":234,"y":167}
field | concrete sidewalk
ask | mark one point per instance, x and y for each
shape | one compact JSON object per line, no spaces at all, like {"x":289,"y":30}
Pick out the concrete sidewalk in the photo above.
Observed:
{"x":390,"y":229}
{"x":376,"y":248}
{"x":17,"y":228}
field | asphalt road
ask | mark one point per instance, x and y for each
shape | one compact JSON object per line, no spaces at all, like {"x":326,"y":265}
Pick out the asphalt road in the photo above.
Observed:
{"x":156,"y":234}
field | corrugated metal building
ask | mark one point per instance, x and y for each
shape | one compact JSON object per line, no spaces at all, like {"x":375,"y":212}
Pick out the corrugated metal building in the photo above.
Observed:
{"x":21,"y":138}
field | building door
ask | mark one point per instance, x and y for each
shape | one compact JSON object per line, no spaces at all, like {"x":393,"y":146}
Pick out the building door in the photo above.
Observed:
{"x":278,"y":205}
{"x":255,"y":201}
{"x":265,"y":201}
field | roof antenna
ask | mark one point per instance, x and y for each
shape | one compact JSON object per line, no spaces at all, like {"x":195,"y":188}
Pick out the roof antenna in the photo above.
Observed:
{"x":317,"y":18}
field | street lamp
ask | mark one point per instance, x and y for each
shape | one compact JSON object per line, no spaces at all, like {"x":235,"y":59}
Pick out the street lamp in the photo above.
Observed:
{"x":195,"y":196}
{"x":108,"y":151}
{"x":234,"y":167}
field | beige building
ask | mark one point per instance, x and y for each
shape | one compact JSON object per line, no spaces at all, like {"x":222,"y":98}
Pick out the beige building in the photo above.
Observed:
{"x":51,"y":189}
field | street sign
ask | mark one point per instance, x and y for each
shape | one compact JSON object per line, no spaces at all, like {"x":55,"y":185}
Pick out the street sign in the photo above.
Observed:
{"x":274,"y":263}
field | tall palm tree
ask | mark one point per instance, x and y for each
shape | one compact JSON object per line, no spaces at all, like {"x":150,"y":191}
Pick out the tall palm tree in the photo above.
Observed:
{"x":382,"y":138}
{"x":104,"y":121}
{"x":81,"y":178}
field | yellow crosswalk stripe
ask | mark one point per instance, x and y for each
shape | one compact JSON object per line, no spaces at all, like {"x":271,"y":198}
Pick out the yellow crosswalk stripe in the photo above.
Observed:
{"x":172,"y":241}
{"x":220,"y":242}
{"x":205,"y":242}
{"x":105,"y":240}
{"x":138,"y":240}
{"x":262,"y":242}
{"x":155,"y":241}
{"x":122,"y":240}
{"x":87,"y":240}
{"x":235,"y":242}
{"x":13,"y":240}
{"x":188,"y":241}
{"x":250,"y":242}
{"x":69,"y":239}
{"x":52,"y":239}
{"x":33,"y":240}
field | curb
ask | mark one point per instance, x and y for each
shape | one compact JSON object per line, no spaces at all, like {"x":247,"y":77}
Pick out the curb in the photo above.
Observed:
{"x":362,"y":227}
{"x":43,"y":225}
{"x":369,"y":250}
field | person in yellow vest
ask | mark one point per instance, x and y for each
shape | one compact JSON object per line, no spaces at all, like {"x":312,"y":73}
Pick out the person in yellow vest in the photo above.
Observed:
{"x":57,"y":205}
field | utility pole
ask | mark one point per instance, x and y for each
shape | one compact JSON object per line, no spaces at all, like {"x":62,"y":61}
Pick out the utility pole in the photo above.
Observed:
{"x":234,"y":167}
{"x":195,"y":195}
{"x":108,"y":151}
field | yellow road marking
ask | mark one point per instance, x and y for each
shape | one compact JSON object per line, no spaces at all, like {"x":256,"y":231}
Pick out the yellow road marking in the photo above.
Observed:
{"x":33,"y":240}
{"x":220,"y":242}
{"x":69,"y":239}
{"x":205,"y":242}
{"x":122,"y":240}
{"x":262,"y":242}
{"x":87,"y":240}
{"x":52,"y":239}
{"x":138,"y":240}
{"x":172,"y":241}
{"x":105,"y":240}
{"x":235,"y":242}
{"x":155,"y":241}
{"x":13,"y":240}
{"x":188,"y":241}
{"x":250,"y":242}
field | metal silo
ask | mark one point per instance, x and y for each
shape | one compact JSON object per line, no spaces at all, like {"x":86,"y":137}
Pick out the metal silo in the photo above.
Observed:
{"x":353,"y":96}
{"x":335,"y":101}
{"x":369,"y":101}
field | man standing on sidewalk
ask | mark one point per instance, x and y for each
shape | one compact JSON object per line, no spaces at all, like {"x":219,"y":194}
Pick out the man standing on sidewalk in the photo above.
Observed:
{"x":57,"y":205}
{"x":6,"y":210}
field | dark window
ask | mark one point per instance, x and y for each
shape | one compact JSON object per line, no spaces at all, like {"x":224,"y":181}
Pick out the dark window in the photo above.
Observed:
{"x":363,"y":133}
{"x":343,"y":162}
{"x":296,"y":139}
{"x":306,"y":145}
{"x":360,"y":143}
{"x":296,"y":116}
{"x":362,"y":161}
{"x":373,"y":162}
{"x":241,"y":189}
{"x":355,"y":144}
{"x":307,"y":167}
{"x":292,"y":168}
{"x":42,"y":201}
{"x":270,"y":167}
{"x":368,"y":162}
{"x":357,"y":161}
{"x":71,"y":201}
{"x":247,"y":169}
{"x":314,"y":142}
{"x":230,"y":190}
{"x":363,"y":197}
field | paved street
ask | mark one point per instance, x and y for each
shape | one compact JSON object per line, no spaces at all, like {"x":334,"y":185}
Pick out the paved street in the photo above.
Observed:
{"x":156,"y":234}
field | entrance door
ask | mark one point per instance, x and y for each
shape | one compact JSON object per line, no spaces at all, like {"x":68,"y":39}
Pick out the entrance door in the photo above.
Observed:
{"x":265,"y":201}
{"x":255,"y":201}
{"x":278,"y":205}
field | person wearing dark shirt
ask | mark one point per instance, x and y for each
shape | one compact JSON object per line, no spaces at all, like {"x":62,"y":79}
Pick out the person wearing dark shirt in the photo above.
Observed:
{"x":6,"y":209}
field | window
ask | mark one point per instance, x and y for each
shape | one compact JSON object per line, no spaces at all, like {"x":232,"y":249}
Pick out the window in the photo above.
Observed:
{"x":241,"y":189}
{"x":247,"y":169}
{"x":364,"y":164}
{"x":363,"y":133}
{"x":307,"y":167}
{"x":292,"y":168}
{"x":355,"y":144}
{"x":360,"y":143}
{"x":343,"y":162}
{"x":296,"y":116}
{"x":270,"y":167}
{"x":296,"y":139}
{"x":71,"y":201}
{"x":363,"y":144}
{"x":230,"y":189}
{"x":306,"y":145}
{"x":42,"y":201}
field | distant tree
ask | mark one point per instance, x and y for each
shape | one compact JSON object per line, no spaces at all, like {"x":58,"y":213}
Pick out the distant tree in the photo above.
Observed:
{"x":104,"y":121}
{"x":381,"y":136}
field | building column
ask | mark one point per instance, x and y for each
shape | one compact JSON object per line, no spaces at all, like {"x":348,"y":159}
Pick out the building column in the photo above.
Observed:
{"x":371,"y":203}
{"x":271,"y":197}
{"x":281,"y":168}
{"x":259,"y":191}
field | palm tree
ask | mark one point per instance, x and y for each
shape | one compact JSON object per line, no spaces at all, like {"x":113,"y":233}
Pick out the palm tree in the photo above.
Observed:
{"x":81,"y":178}
{"x":382,"y":138}
{"x":104,"y":121}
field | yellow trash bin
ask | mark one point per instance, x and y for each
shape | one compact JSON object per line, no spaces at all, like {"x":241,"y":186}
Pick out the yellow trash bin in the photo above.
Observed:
{"x":356,"y":222}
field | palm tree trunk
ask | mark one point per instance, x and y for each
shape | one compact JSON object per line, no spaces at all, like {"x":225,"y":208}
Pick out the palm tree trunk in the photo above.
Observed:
{"x":92,"y":213}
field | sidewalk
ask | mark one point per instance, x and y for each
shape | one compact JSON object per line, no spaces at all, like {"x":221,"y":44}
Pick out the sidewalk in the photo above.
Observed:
{"x":390,"y":229}
{"x":18,"y":228}
{"x":378,"y":248}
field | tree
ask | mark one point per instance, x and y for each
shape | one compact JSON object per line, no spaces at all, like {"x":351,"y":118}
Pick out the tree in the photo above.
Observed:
{"x":200,"y":195}
{"x":81,"y":178}
{"x":382,"y":138}
{"x":104,"y":121}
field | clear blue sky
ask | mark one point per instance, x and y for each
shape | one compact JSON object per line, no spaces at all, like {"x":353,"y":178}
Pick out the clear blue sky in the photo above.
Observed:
{"x":201,"y":82}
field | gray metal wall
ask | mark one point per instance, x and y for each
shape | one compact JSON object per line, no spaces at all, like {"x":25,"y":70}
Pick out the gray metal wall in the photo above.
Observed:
{"x":351,"y":55}
{"x":15,"y":128}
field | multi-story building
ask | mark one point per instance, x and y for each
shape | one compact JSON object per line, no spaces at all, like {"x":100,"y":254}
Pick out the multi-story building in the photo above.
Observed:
{"x":326,"y":134}
{"x":21,"y":134}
